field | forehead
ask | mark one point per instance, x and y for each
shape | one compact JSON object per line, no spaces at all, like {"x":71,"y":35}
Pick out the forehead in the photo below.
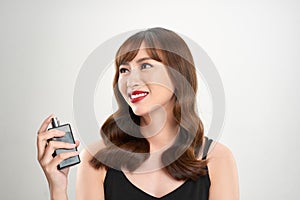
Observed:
{"x":131,"y":54}
{"x":142,"y":53}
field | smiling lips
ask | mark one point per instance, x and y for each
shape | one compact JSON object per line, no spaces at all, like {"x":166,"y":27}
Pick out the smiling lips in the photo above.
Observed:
{"x":137,"y":96}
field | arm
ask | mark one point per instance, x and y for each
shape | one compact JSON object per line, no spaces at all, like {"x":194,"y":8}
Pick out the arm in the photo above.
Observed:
{"x":223,"y":174}
{"x":89,"y":183}
{"x":57,"y":179}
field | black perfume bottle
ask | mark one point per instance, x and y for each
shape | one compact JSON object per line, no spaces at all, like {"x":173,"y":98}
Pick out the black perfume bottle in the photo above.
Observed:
{"x":68,"y":137}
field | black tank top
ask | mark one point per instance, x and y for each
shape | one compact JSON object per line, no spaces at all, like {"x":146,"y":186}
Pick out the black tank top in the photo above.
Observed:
{"x":118,"y":187}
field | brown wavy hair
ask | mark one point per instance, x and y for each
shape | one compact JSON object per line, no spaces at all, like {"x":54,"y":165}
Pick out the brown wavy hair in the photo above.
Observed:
{"x":131,"y":150}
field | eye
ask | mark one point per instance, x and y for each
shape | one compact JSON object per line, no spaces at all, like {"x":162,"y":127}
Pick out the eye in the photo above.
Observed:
{"x":123,"y":70}
{"x":146,"y":65}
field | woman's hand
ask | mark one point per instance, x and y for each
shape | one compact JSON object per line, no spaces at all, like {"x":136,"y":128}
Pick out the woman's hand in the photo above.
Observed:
{"x":57,"y":179}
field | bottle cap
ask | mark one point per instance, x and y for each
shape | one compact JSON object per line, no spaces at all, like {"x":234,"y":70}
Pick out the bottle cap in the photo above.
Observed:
{"x":55,"y":122}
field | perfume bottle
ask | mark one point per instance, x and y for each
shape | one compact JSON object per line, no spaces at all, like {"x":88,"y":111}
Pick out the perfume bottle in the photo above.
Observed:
{"x":68,"y":137}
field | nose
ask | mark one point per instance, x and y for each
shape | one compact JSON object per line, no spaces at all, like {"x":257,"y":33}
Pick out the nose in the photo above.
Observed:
{"x":134,"y":78}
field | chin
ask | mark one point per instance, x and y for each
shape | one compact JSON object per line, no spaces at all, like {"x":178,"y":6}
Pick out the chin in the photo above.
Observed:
{"x":140,"y":111}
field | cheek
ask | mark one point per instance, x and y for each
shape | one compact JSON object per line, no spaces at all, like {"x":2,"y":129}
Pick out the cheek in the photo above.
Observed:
{"x":161,"y":92}
{"x":160,"y":78}
{"x":162,"y":84}
{"x":122,"y":86}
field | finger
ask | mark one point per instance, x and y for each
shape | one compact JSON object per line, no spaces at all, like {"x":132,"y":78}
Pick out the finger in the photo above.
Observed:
{"x":45,"y":124}
{"x":60,"y":157}
{"x":43,"y":138}
{"x":77,"y":142}
{"x":52,"y":146}
{"x":65,"y":170}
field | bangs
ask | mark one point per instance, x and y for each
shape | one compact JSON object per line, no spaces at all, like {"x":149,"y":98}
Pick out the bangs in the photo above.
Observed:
{"x":130,"y":48}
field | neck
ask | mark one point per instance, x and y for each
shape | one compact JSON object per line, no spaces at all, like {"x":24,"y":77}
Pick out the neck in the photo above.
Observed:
{"x":159,"y":128}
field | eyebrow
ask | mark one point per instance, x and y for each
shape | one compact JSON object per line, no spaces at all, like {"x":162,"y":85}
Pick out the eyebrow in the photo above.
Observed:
{"x":143,"y":59}
{"x":139,"y":60}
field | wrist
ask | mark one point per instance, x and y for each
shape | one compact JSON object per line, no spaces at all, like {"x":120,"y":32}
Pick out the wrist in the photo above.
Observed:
{"x":58,"y":194}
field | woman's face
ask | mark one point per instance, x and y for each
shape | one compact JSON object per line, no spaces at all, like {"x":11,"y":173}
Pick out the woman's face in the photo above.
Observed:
{"x":145,"y":84}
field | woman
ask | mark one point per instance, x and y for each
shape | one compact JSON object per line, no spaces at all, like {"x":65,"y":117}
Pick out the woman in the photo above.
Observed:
{"x":153,"y":145}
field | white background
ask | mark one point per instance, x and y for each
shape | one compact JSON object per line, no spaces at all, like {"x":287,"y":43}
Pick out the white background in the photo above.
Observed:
{"x":254,"y":44}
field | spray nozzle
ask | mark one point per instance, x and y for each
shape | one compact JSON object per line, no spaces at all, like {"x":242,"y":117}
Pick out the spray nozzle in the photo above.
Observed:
{"x":55,"y":122}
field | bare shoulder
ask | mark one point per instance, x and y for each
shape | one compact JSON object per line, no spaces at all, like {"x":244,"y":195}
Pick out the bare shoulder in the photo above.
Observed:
{"x":89,"y":183}
{"x":222,"y":172}
{"x":219,"y":150}
{"x":86,"y":156}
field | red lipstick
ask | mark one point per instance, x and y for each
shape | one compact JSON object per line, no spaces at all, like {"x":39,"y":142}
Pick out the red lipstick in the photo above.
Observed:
{"x":138,"y":95}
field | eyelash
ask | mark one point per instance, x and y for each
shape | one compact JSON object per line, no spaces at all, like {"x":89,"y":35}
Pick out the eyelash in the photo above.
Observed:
{"x":143,"y":66}
{"x":123,"y":70}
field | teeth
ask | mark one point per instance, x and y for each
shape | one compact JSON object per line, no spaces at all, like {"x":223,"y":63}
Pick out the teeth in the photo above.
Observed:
{"x":133,"y":96}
